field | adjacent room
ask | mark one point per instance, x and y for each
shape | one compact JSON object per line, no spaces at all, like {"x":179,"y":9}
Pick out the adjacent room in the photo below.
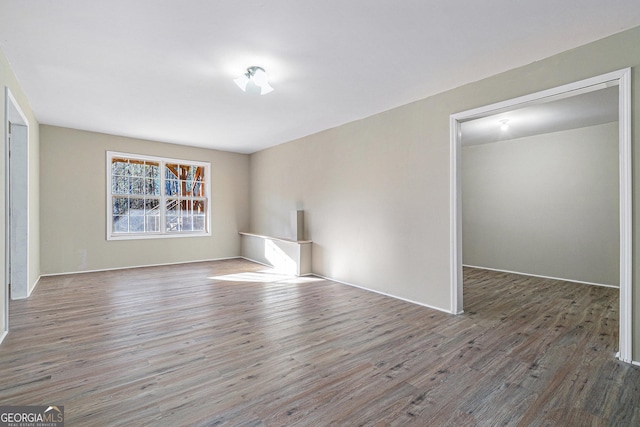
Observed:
{"x":336,"y":213}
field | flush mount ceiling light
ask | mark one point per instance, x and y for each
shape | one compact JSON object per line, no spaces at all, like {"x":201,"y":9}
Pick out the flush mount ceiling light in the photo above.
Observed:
{"x":255,"y":76}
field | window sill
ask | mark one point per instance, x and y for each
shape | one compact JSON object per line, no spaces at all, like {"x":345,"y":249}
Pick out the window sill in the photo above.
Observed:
{"x":156,"y":236}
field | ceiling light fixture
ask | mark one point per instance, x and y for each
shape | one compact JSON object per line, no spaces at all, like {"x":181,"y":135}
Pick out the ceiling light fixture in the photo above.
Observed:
{"x":504,"y":124}
{"x":257,"y":77}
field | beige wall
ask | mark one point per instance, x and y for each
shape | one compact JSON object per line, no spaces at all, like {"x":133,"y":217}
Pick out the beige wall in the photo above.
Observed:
{"x":376,"y":191}
{"x":73,"y":203}
{"x":8,"y":80}
{"x":546,"y":205}
{"x":372,"y":208}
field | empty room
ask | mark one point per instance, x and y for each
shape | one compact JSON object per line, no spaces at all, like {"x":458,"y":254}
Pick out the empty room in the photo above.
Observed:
{"x":319,"y":213}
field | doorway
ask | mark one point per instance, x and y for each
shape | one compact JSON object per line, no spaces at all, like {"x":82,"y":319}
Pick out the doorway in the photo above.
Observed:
{"x":16,"y":204}
{"x":621,"y":79}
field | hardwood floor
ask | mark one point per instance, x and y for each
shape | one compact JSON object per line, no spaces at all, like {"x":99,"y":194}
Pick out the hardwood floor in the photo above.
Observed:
{"x":224,"y":343}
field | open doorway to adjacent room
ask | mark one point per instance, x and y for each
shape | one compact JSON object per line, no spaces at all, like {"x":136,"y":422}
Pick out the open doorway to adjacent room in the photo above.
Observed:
{"x":16,"y":205}
{"x":534,"y":124}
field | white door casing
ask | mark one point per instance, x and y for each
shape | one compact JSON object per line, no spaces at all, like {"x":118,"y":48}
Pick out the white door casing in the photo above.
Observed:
{"x":622,"y":78}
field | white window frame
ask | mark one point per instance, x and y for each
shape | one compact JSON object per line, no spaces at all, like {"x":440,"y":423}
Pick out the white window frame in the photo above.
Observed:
{"x":162,"y":233}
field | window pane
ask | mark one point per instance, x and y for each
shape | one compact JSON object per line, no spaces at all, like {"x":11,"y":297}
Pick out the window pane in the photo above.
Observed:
{"x":136,"y":224}
{"x":137,"y":185}
{"x":172,"y":188}
{"x":120,"y":224}
{"x":120,"y":205}
{"x":152,"y":207}
{"x":186,"y":223}
{"x":120,"y":185}
{"x":183,"y":171}
{"x":188,"y":179}
{"x":152,"y":170}
{"x":136,"y":167}
{"x":171,"y":171}
{"x":191,"y":216}
{"x":173,"y":223}
{"x":199,"y":182}
{"x":183,"y":189}
{"x":152,"y":215}
{"x":152,"y":223}
{"x":152,"y":187}
{"x":198,"y":206}
{"x":136,"y":206}
{"x":119,"y":167}
{"x":173,"y":206}
{"x":188,"y":172}
{"x":173,"y":215}
{"x":199,"y":223}
{"x":193,"y":178}
{"x":198,"y":189}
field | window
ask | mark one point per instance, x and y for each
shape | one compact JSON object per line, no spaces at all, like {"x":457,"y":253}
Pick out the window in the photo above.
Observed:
{"x":156,"y":197}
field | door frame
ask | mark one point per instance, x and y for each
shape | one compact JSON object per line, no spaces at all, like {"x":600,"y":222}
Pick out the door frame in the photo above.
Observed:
{"x":621,"y":78}
{"x":14,"y":115}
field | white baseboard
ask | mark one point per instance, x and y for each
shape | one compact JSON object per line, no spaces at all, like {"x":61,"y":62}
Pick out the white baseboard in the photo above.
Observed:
{"x":35,"y":285}
{"x":138,"y":266}
{"x":385,"y":294}
{"x":30,"y":290}
{"x":361,"y":287}
{"x":3,"y":336}
{"x":540,"y":276}
{"x":256,"y":261}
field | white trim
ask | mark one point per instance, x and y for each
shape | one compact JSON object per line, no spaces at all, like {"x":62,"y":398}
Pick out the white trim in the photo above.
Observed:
{"x":15,"y":103}
{"x":11,"y":108}
{"x":633,"y":362}
{"x":7,"y":249}
{"x":279,"y":239}
{"x":138,"y":266}
{"x":19,"y":206}
{"x":541,"y":96}
{"x":3,"y":336}
{"x":35,"y":285}
{"x":161,"y":234}
{"x":384,"y":294}
{"x":31,"y":289}
{"x":626,"y":217}
{"x":271,"y":266}
{"x":455,"y":230}
{"x":345,"y":283}
{"x":134,"y":236}
{"x":259,"y":262}
{"x":541,"y":276}
{"x":623,"y":79}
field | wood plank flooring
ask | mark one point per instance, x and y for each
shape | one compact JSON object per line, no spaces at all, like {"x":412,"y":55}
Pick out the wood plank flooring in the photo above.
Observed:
{"x":226,"y":343}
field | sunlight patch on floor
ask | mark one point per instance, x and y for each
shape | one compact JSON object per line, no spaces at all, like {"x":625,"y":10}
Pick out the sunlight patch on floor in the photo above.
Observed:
{"x":266,"y":276}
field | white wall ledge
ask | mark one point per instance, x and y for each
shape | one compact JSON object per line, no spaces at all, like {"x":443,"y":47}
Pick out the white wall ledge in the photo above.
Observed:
{"x":281,"y":239}
{"x":285,"y":256}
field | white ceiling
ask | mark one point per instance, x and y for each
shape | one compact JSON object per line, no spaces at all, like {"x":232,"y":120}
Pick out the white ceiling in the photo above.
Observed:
{"x":163,"y":69}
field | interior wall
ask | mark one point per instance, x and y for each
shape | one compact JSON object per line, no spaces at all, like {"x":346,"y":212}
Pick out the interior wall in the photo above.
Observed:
{"x":73,"y":183}
{"x":376,"y":191}
{"x":545,"y":205}
{"x":371,"y":206}
{"x":8,"y":80}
